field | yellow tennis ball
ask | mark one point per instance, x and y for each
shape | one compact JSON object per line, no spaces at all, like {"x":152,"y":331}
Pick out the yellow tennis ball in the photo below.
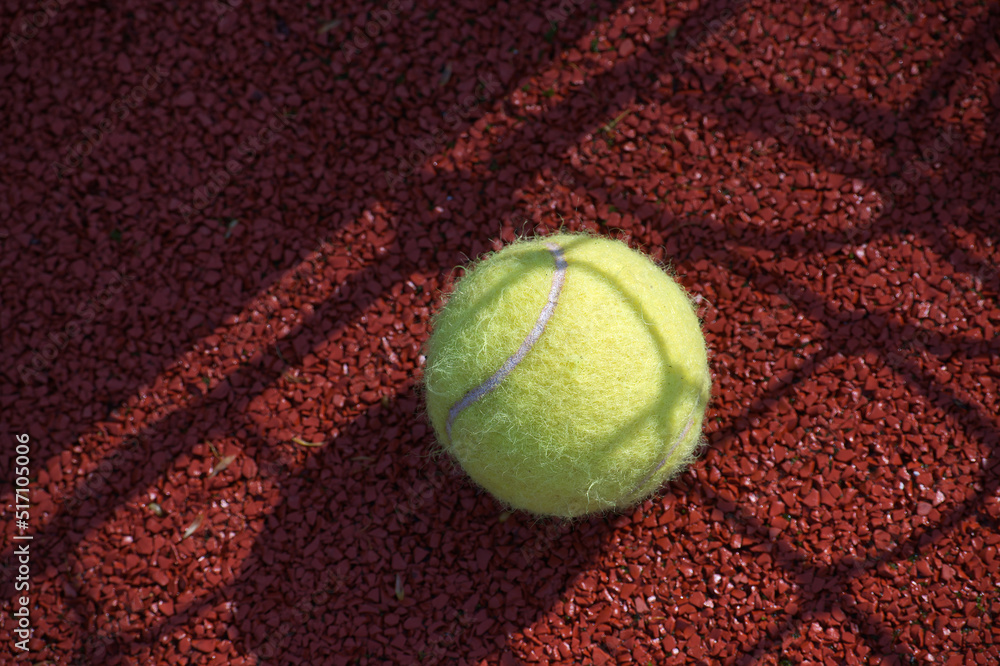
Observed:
{"x":568,"y":375}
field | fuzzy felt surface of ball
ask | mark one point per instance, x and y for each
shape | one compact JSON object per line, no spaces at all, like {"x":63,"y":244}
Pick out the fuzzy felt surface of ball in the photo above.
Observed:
{"x":568,"y":375}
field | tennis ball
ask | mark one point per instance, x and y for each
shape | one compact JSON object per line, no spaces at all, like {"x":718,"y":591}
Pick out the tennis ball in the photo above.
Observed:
{"x":568,"y":375}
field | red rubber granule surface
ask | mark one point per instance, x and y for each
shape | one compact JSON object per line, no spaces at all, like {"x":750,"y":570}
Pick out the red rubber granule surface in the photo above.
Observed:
{"x":224,"y":228}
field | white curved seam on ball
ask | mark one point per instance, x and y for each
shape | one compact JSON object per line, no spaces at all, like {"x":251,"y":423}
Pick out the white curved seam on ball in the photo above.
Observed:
{"x":512,"y":362}
{"x":684,"y":434}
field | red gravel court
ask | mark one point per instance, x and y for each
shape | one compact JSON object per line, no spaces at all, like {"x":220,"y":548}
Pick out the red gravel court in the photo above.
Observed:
{"x":229,"y":461}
